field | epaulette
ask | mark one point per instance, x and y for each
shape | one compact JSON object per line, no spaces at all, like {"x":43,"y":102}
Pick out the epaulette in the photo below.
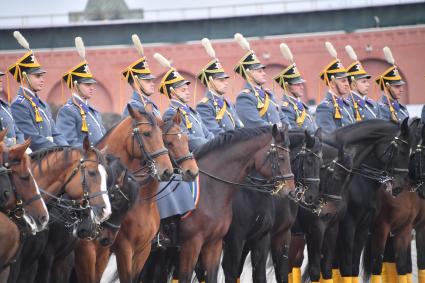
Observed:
{"x":247,"y":90}
{"x":204,"y":100}
{"x":20,"y":98}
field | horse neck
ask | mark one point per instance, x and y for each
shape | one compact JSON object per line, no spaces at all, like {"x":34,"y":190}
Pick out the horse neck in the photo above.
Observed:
{"x":234,"y":164}
{"x":50,"y":172}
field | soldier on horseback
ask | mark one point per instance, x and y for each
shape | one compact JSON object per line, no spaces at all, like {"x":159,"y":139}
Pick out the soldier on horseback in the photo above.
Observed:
{"x":392,"y":85}
{"x":362,"y":106}
{"x":334,"y":111}
{"x":290,"y":80}
{"x":31,"y":114}
{"x":14,"y":135}
{"x":77,"y":119}
{"x":217,"y":113}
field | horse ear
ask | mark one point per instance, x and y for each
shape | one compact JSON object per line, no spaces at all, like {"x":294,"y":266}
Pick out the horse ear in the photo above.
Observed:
{"x":131,"y":111}
{"x":405,"y":128}
{"x":149,"y":108}
{"x":318,"y":134}
{"x":17,"y":151}
{"x":177,"y":117}
{"x":86,"y":144}
{"x":275,"y":132}
{"x":3,"y":134}
{"x":309,"y":140}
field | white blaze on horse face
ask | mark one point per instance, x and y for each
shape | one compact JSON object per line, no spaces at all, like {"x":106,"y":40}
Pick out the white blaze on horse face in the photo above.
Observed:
{"x":103,"y":188}
{"x":43,"y":226}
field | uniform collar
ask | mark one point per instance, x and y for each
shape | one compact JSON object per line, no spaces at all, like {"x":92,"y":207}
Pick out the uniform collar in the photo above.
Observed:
{"x":178,"y":104}
{"x":80,"y":99}
{"x":215,"y":97}
{"x":31,"y":94}
{"x":340,"y":100}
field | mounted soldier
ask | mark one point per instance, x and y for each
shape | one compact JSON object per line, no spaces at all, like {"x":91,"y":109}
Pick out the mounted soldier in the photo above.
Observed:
{"x":392,"y":86}
{"x":362,"y":106}
{"x":141,"y":80}
{"x":77,"y":119}
{"x":31,"y":114}
{"x":180,"y":195}
{"x":14,"y":135}
{"x":255,"y":105}
{"x":290,"y":80}
{"x":217,"y":113}
{"x":334,"y":111}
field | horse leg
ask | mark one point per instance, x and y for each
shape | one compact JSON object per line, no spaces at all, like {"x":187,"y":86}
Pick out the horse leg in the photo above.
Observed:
{"x":4,"y":275}
{"x":401,"y":245}
{"x":259,"y":254}
{"x":124,"y":255}
{"x":189,"y":254}
{"x":280,"y":253}
{"x":211,"y":253}
{"x":345,"y":249}
{"x":102,"y":258}
{"x":420,"y":252}
{"x":139,"y":259}
{"x":314,"y":239}
{"x":85,"y":261}
{"x":360,"y":241}
{"x":328,"y":251}
{"x":45,"y":264}
{"x":233,"y":246}
{"x":296,"y":258}
{"x":374,"y":252}
{"x":62,"y":269}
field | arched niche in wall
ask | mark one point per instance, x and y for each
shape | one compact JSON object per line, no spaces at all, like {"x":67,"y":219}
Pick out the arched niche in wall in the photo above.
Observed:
{"x":375,"y":67}
{"x":101,"y":99}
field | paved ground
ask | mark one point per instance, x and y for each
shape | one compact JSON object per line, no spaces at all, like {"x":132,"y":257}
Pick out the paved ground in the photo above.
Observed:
{"x":246,"y":275}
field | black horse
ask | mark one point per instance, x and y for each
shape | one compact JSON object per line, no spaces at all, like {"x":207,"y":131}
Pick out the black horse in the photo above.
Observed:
{"x":52,"y":251}
{"x":257,"y":218}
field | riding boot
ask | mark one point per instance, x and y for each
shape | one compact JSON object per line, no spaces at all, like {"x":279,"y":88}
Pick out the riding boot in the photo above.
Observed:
{"x":171,"y":229}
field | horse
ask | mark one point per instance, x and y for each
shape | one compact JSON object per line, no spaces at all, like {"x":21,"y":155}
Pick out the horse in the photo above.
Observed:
{"x":5,"y":188}
{"x":224,"y":163}
{"x":80,"y":173}
{"x":385,"y":162}
{"x":257,"y":218}
{"x":57,"y":260}
{"x":92,"y":257}
{"x":398,"y":215}
{"x":25,"y":211}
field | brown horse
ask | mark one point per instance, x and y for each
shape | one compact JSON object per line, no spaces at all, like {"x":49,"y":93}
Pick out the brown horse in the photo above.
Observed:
{"x":25,"y":211}
{"x":92,"y":257}
{"x":226,"y":161}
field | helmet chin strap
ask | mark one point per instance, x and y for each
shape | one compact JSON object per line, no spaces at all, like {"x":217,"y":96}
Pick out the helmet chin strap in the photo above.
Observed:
{"x":174,"y":93}
{"x":139,"y":86}
{"x":28,"y":80}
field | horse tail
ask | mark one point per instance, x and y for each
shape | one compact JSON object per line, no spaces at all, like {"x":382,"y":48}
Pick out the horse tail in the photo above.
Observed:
{"x":367,"y":271}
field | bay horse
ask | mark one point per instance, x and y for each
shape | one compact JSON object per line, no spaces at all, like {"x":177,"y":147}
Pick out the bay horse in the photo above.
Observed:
{"x":78,"y":173}
{"x":92,"y":257}
{"x":25,"y":211}
{"x":257,"y":218}
{"x":224,"y":163}
{"x":398,"y":215}
{"x":57,"y":260}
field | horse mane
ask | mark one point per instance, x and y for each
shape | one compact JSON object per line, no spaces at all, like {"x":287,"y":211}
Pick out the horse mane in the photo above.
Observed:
{"x":364,"y":131}
{"x":231,"y":137}
{"x":108,"y":132}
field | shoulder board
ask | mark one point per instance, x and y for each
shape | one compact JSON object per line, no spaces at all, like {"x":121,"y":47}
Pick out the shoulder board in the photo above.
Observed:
{"x":246,"y":90}
{"x":20,"y":98}
{"x":285,"y":104}
{"x":204,"y":100}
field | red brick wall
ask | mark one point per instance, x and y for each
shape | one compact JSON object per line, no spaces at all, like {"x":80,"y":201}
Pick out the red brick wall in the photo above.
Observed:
{"x":407,"y":44}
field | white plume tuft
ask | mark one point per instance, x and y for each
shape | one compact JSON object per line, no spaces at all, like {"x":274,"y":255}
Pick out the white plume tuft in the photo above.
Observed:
{"x":388,"y":55}
{"x":331,"y":49}
{"x":241,"y":40}
{"x":162,"y":60}
{"x":351,"y":53}
{"x":208,"y":47}
{"x":21,"y":40}
{"x":286,"y":52}
{"x":81,"y":49}
{"x":138,"y":44}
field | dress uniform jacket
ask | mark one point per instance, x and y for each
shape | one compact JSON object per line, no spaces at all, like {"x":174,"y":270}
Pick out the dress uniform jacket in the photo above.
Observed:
{"x":69,"y":123}
{"x":248,"y":112}
{"x":400,"y":109}
{"x":325,"y":114}
{"x":218,"y":114}
{"x":14,"y":135}
{"x":177,"y":198}
{"x":288,"y":109}
{"x":423,"y":114}
{"x":192,"y":123}
{"x":43,"y":134}
{"x":368,"y":108}
{"x":137,"y":103}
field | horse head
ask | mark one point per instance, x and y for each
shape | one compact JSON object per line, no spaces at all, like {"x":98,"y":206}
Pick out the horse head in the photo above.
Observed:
{"x":176,"y":142}
{"x":145,"y":143}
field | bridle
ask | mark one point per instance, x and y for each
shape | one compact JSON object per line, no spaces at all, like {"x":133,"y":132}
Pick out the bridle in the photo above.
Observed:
{"x":148,"y":160}
{"x":177,"y":161}
{"x":417,"y":169}
{"x":272,"y":186}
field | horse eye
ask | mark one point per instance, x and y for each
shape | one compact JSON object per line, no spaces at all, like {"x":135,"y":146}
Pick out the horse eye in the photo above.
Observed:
{"x":92,"y":173}
{"x":146,"y":134}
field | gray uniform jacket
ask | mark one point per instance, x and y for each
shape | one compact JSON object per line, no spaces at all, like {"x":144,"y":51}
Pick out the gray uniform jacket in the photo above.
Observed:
{"x":368,"y":108}
{"x":384,"y":109}
{"x":288,"y":109}
{"x":14,"y":135}
{"x":137,"y":103}
{"x":43,"y":134}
